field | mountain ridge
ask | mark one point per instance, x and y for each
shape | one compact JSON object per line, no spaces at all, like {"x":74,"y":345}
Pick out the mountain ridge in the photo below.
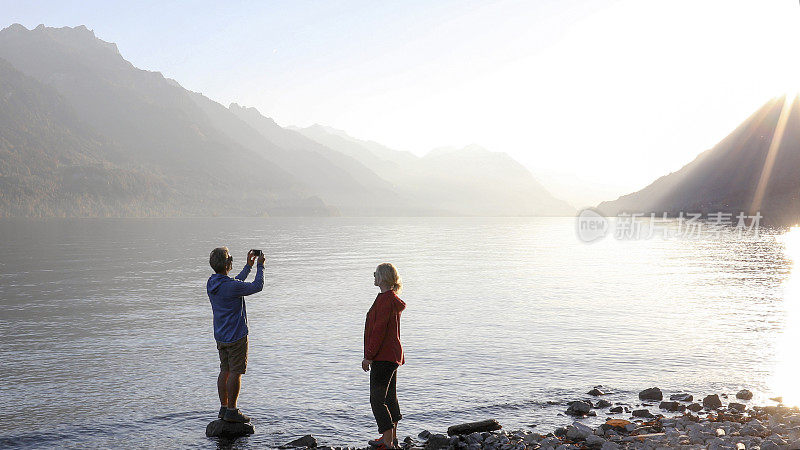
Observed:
{"x":492,"y":182}
{"x":195,"y":152}
{"x":726,"y":177}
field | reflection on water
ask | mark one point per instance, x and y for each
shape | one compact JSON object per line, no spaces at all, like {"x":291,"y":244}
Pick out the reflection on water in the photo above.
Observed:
{"x":504,"y":315}
{"x":786,"y":382}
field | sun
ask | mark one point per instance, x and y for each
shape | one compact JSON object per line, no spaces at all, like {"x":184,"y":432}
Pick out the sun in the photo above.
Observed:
{"x":785,"y":382}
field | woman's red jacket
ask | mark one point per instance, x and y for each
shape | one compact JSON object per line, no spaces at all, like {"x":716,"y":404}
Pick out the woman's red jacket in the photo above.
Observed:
{"x":382,"y":329}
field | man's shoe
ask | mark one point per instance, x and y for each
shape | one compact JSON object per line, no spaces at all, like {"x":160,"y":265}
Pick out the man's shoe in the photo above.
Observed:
{"x":222,"y":411}
{"x":233,"y":415}
{"x":377,"y":442}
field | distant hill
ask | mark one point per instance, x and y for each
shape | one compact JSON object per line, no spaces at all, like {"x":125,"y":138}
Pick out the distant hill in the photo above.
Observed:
{"x":459,"y":178}
{"x":85,"y":133}
{"x":467,"y":181}
{"x":726,"y":178}
{"x":386,"y":162}
{"x":339,"y":178}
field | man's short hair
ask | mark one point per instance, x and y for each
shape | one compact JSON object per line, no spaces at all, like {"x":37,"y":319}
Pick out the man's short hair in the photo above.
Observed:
{"x":219,"y":259}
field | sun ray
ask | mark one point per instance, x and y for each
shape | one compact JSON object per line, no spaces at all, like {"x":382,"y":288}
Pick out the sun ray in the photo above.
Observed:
{"x":772,"y":153}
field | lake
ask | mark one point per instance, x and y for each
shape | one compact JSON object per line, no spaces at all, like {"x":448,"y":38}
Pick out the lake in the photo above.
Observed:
{"x":107,"y":336}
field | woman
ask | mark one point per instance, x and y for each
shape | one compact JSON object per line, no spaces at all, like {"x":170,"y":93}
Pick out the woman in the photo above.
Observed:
{"x":383,"y":353}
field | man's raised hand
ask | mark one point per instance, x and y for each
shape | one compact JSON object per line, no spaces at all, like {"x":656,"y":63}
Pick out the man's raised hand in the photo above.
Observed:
{"x":251,"y":257}
{"x":262,"y":258}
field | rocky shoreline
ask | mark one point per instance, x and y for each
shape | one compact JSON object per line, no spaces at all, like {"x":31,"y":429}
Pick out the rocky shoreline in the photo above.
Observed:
{"x":652,"y":423}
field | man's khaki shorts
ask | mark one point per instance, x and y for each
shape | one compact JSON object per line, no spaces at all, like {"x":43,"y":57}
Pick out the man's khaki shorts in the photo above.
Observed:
{"x":233,"y":356}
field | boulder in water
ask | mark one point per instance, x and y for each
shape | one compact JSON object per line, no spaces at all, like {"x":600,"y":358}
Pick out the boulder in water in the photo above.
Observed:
{"x":307,"y":441}
{"x":671,"y":406}
{"x":712,"y":401}
{"x":579,"y":408}
{"x":229,"y":430}
{"x":602,"y":404}
{"x":739,"y":407}
{"x":652,"y":393}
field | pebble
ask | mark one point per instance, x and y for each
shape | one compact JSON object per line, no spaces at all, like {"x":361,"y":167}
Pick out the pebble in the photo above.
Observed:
{"x":681,"y":397}
{"x":602,"y":404}
{"x":578,"y":431}
{"x":437,"y":441}
{"x":593,"y":440}
{"x":307,"y":441}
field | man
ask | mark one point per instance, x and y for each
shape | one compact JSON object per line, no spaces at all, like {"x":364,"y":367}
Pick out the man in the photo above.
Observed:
{"x":230,"y":325}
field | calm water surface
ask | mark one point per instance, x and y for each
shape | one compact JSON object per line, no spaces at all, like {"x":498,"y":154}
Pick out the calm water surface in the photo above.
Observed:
{"x":107,"y":339}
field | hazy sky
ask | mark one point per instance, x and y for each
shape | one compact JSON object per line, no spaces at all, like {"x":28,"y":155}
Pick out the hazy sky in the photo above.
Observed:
{"x":598,"y":98}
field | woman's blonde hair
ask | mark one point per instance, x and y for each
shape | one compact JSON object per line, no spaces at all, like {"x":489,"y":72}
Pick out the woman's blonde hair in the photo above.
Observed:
{"x":387,"y":274}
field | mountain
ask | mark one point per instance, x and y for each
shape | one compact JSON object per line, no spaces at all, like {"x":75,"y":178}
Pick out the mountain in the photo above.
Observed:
{"x":466,"y":181}
{"x":489,"y":183}
{"x":86,"y":133}
{"x":755,"y":168}
{"x":154,"y":126}
{"x":51,"y":164}
{"x":385,"y":161}
{"x":341,"y":179}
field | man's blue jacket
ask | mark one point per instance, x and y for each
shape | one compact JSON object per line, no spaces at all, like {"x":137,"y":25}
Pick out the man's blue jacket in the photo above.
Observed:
{"x":227,"y":302}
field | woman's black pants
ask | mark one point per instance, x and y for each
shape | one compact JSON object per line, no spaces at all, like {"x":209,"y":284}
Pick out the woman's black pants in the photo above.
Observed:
{"x":383,"y":394}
